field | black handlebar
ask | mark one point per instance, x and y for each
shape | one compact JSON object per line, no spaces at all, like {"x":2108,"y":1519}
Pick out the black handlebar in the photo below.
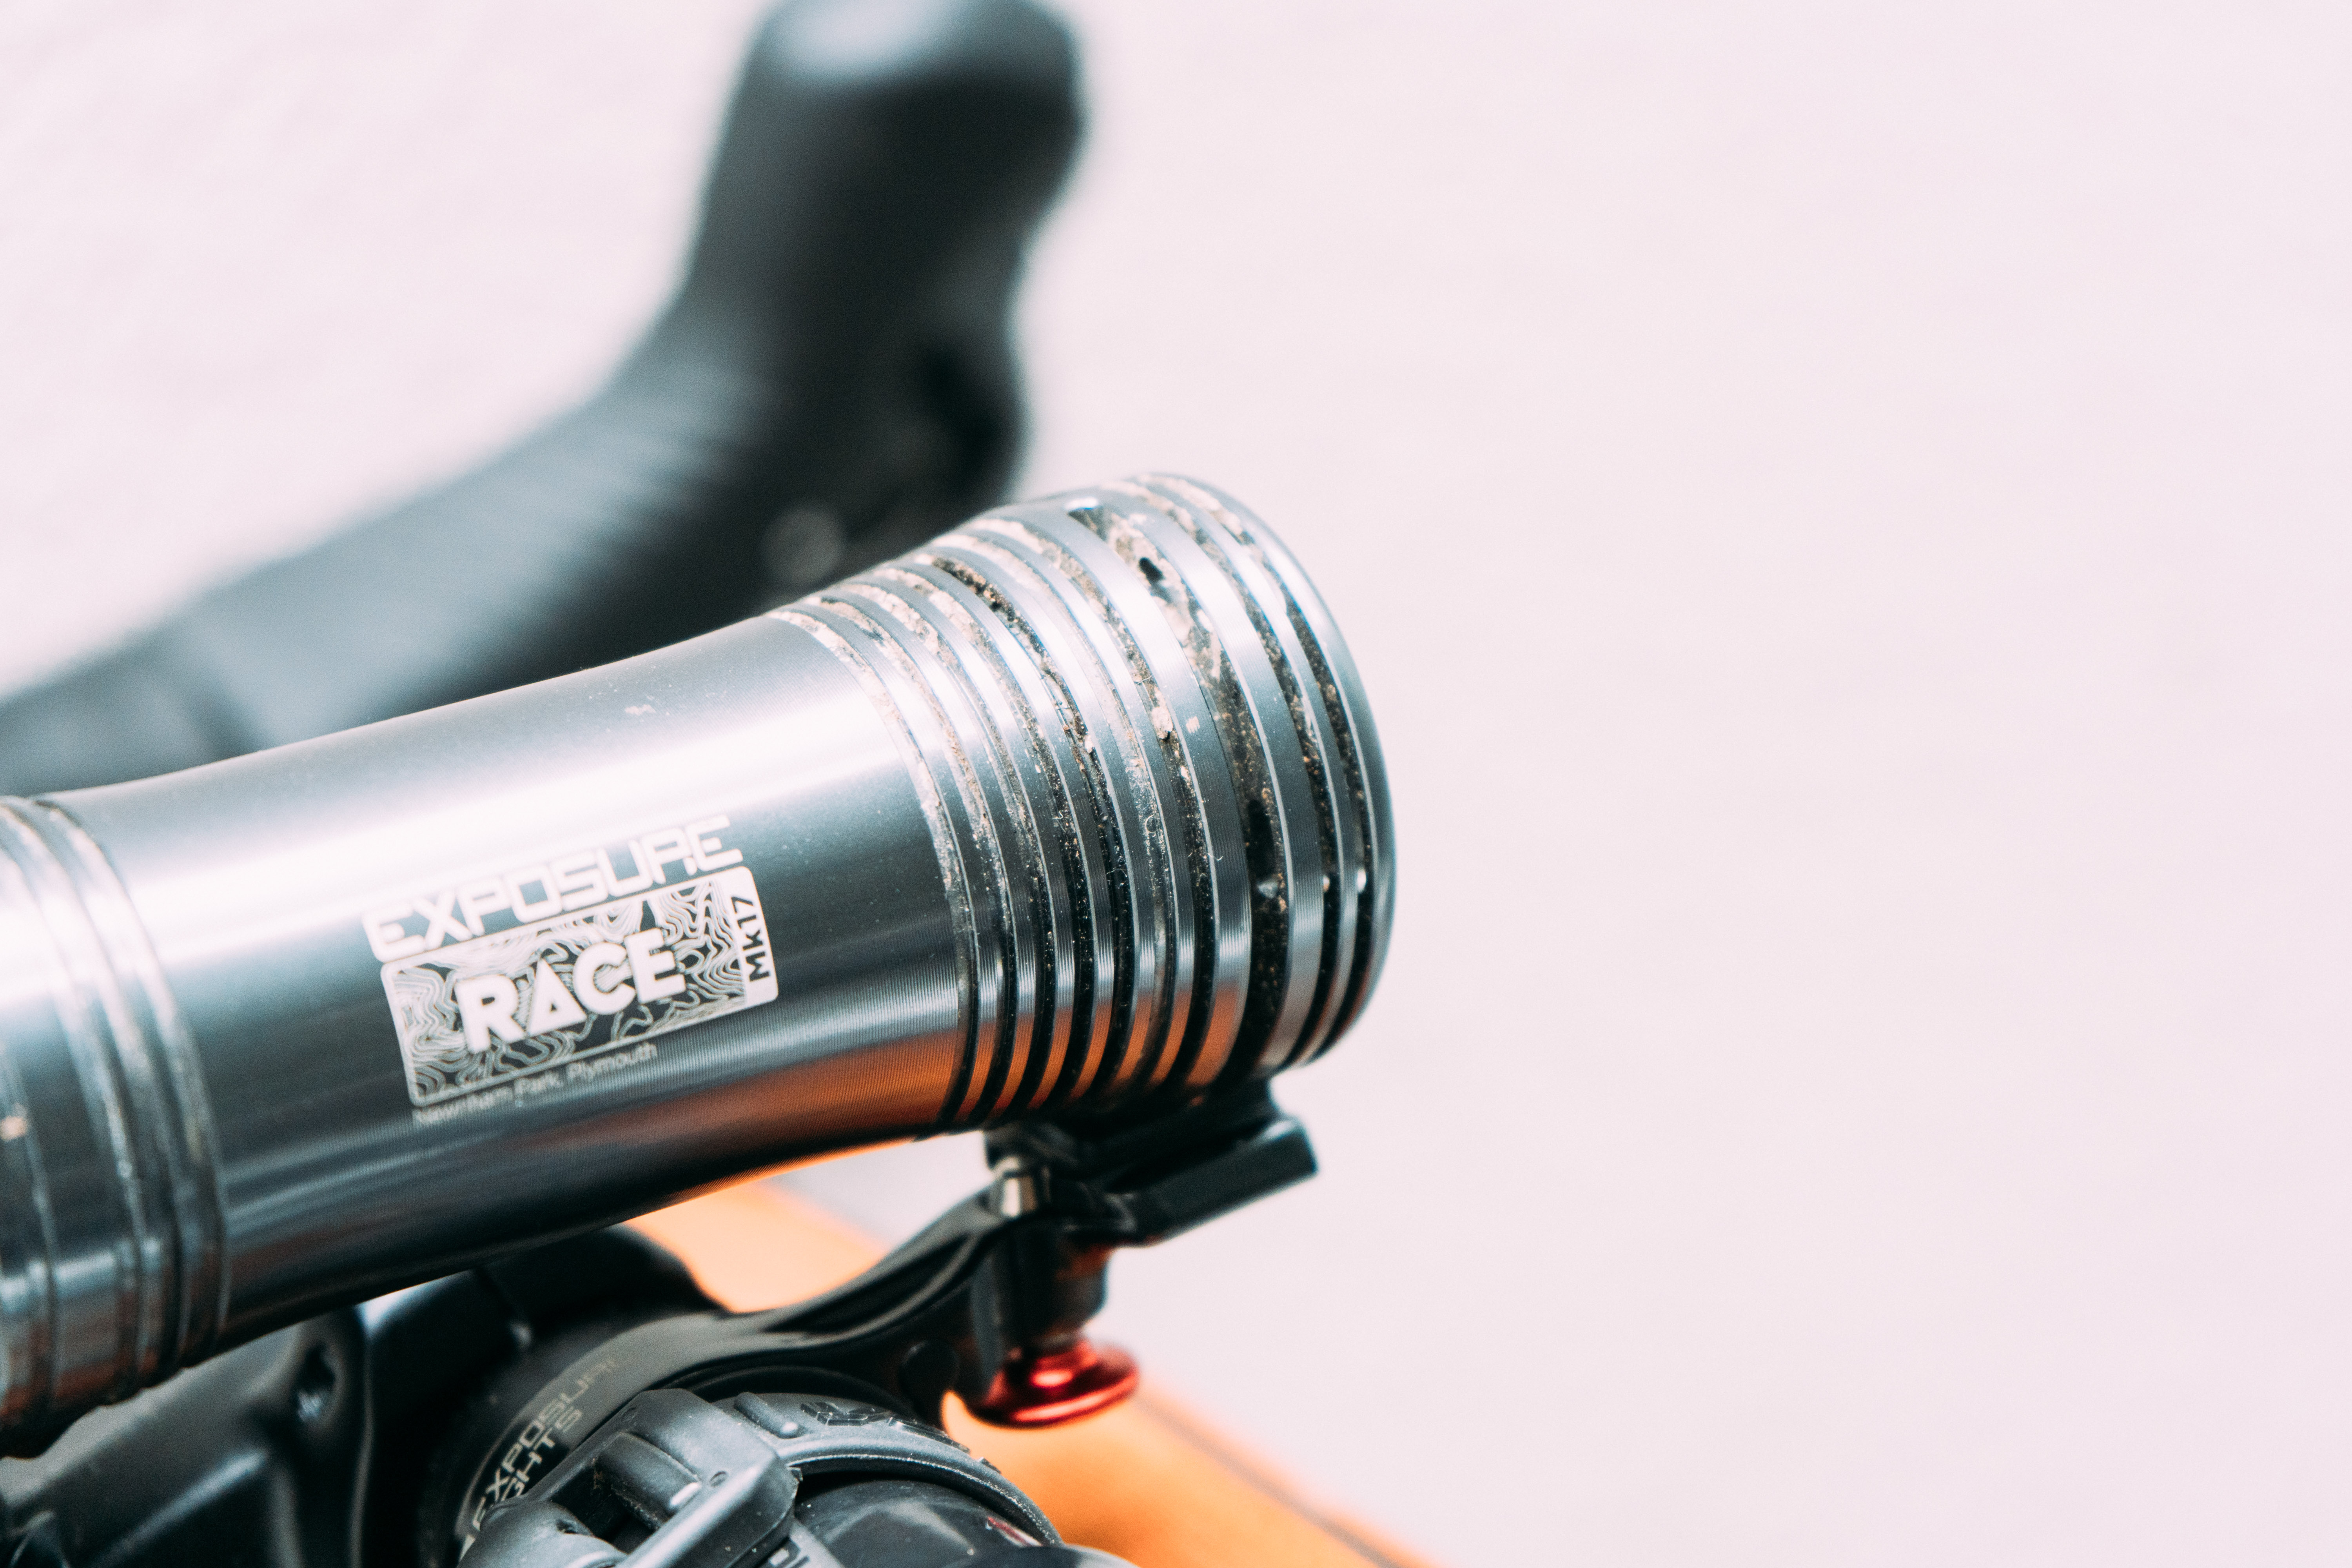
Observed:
{"x":832,"y":383}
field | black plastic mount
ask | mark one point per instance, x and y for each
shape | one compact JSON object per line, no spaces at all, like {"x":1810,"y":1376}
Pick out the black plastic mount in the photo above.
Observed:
{"x":1011,"y":1269}
{"x":382,"y":1435}
{"x":1134,"y":1185}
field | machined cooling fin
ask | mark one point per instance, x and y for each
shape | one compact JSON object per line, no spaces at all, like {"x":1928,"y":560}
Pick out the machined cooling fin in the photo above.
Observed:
{"x":1153,"y":785}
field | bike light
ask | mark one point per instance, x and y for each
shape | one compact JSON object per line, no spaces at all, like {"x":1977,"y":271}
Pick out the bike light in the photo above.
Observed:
{"x":1077,"y":809}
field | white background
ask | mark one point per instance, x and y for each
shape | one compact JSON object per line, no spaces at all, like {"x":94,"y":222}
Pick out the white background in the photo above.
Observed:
{"x":1842,"y":512}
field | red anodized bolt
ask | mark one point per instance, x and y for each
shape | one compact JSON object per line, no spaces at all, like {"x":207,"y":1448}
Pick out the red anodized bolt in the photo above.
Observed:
{"x":1046,"y":1388}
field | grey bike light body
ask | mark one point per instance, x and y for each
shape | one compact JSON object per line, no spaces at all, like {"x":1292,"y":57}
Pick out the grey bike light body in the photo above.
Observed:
{"x":1077,"y":809}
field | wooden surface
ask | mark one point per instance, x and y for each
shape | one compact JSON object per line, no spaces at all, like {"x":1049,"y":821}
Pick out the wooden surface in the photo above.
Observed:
{"x":1147,"y":1480}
